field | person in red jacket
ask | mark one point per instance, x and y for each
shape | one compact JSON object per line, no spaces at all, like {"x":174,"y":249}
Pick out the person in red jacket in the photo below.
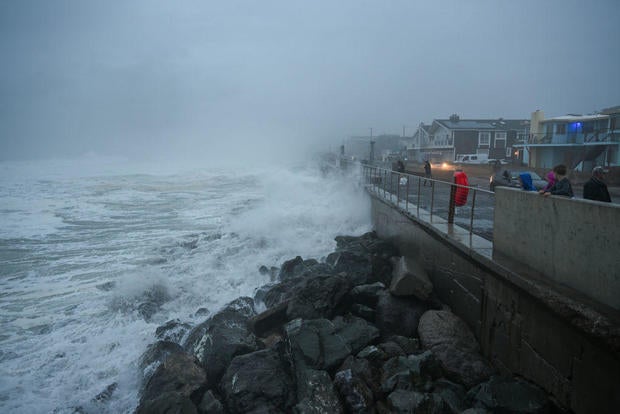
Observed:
{"x":460,"y":198}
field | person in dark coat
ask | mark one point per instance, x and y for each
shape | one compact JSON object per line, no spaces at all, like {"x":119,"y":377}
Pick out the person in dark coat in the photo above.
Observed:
{"x":427,"y":172}
{"x":562,"y":186}
{"x":596,"y":189}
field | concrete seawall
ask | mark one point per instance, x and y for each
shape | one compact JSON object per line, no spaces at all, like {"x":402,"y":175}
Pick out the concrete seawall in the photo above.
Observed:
{"x":572,"y":242}
{"x":527,"y":324}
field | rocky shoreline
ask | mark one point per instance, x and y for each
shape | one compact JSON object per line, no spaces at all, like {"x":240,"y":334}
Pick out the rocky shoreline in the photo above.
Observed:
{"x":360,"y":332}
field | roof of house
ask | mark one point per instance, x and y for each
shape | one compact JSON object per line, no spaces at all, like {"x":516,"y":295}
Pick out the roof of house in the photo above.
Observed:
{"x":575,"y":118}
{"x":491,"y":124}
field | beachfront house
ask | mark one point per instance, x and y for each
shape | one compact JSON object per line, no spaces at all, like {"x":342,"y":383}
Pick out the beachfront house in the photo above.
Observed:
{"x":578,"y":141}
{"x":446,"y":139}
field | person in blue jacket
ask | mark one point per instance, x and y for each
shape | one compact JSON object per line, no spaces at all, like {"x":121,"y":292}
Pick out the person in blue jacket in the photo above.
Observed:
{"x":526,"y":181}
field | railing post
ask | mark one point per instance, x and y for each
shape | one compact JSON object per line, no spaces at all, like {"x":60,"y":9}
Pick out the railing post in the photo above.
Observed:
{"x":432,"y":197}
{"x":397,"y":190}
{"x":471,"y":218}
{"x":451,"y":205}
{"x":419,"y":190}
{"x":407,"y":196}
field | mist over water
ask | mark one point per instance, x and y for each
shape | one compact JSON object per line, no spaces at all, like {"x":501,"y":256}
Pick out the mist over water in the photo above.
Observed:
{"x":95,"y":254}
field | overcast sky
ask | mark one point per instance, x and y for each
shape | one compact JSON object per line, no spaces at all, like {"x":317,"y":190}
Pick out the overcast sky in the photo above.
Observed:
{"x":204,"y":78}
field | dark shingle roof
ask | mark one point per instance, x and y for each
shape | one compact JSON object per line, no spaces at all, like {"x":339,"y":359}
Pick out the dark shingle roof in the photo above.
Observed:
{"x":491,"y":124}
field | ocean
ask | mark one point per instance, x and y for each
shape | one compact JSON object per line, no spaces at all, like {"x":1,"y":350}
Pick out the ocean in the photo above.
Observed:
{"x":95,"y":254}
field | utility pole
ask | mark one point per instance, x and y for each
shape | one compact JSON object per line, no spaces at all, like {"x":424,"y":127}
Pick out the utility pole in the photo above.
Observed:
{"x":372,"y":148}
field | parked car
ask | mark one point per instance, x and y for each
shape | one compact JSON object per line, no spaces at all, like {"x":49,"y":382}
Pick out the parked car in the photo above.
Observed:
{"x":510,"y":178}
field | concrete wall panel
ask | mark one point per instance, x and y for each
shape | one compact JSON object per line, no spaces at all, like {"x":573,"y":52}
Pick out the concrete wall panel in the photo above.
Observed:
{"x":567,"y":240}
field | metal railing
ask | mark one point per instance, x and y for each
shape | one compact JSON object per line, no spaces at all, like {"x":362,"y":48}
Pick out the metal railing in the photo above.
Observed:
{"x":426,"y":198}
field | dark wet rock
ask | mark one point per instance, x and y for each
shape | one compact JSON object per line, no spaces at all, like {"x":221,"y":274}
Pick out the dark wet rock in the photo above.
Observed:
{"x":271,"y":271}
{"x":455,"y":346}
{"x":269,"y":321}
{"x":372,"y":353}
{"x":509,"y":395}
{"x":173,"y":384}
{"x":168,"y":403}
{"x":391,"y":349}
{"x":412,"y":372}
{"x":452,"y":394}
{"x":107,"y":393}
{"x":405,"y":401}
{"x":222,"y":337}
{"x":259,"y":381}
{"x":316,"y":393}
{"x":398,"y":316}
{"x":410,"y":279}
{"x":318,"y":297}
{"x":291,"y":268}
{"x":377,"y":252}
{"x":201,"y":312}
{"x":407,"y":344}
{"x":274,"y":294}
{"x":305,"y":268}
{"x":368,"y":243}
{"x":313,"y":344}
{"x":173,"y":331}
{"x":396,"y":375}
{"x":356,"y":332}
{"x":210,"y":404}
{"x":367,"y":294}
{"x":358,"y":268}
{"x":155,"y":354}
{"x":357,"y":396}
{"x":364,"y":312}
{"x":366,"y":372}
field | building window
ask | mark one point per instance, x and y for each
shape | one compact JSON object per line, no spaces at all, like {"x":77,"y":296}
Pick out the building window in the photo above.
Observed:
{"x":560,"y":129}
{"x":500,"y":139}
{"x":484,"y":138}
{"x":508,"y":152}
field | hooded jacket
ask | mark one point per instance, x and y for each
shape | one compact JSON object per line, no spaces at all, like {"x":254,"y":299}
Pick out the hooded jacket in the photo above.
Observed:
{"x":526,"y":181}
{"x":596,"y":190}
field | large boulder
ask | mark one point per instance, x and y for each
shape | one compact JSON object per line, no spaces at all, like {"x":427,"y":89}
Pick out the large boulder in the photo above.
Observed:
{"x":411,"y":372}
{"x":173,"y":331}
{"x":175,"y":383}
{"x":410,"y":279}
{"x":316,"y":393}
{"x":298,"y":267}
{"x":398,"y":316}
{"x":455,"y":346}
{"x":314,"y":344}
{"x":356,"y":332}
{"x":407,"y":401}
{"x":357,"y":396}
{"x":154,"y":355}
{"x":259,"y":381}
{"x":367,"y":295}
{"x":509,"y":395}
{"x":378,"y":253}
{"x":222,"y":337}
{"x":318,"y":297}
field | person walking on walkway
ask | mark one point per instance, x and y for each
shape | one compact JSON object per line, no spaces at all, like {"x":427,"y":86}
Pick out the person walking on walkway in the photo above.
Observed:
{"x":427,"y":172}
{"x":596,"y":189}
